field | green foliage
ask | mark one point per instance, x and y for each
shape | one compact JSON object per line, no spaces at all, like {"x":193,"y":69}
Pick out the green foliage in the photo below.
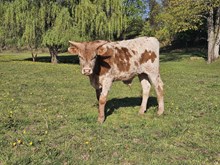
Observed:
{"x":134,"y":11}
{"x":9,"y":23}
{"x":135,"y":8}
{"x":169,"y":18}
{"x":52,"y":119}
{"x":147,"y":29}
{"x":84,"y":15}
{"x":59,"y":21}
{"x":53,"y":23}
{"x":59,"y":33}
{"x":100,"y":19}
{"x":32,"y":35}
{"x":134,"y":28}
{"x":182,"y":15}
{"x":19,"y":22}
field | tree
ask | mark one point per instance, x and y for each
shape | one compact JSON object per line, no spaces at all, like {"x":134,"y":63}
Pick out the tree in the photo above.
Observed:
{"x":213,"y":24}
{"x":81,"y":20}
{"x":182,"y":15}
{"x":58,"y":21}
{"x":11,"y":24}
{"x":135,"y":11}
{"x":32,"y":35}
{"x":20,"y":24}
{"x":58,"y":24}
{"x":57,"y":35}
{"x":154,"y":24}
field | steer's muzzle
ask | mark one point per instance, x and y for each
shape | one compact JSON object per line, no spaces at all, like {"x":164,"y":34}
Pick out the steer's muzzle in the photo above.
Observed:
{"x":87,"y":71}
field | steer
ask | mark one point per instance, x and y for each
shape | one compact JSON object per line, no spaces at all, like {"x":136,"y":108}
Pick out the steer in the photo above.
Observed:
{"x":105,"y":62}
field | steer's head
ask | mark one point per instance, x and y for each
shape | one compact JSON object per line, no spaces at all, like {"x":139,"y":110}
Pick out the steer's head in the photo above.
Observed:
{"x":87,"y":52}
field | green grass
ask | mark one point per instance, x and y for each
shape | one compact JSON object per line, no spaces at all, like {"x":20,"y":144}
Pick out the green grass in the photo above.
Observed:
{"x":48,"y":115}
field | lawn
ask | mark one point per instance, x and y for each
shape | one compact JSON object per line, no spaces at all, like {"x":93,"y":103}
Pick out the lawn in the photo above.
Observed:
{"x":49,"y":115}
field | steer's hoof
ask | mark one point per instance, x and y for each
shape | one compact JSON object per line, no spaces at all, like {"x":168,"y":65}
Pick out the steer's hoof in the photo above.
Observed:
{"x":101,"y":120}
{"x":141,"y":111}
{"x":160,"y":112}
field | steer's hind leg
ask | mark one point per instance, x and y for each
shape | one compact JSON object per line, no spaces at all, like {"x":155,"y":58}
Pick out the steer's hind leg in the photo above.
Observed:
{"x":146,"y":90}
{"x":158,"y":85}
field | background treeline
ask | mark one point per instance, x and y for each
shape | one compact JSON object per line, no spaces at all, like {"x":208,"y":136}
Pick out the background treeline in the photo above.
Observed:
{"x":43,"y":23}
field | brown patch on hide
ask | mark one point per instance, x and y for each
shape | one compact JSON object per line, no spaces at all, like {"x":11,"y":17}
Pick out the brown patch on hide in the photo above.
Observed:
{"x":147,"y":55}
{"x":122,"y":59}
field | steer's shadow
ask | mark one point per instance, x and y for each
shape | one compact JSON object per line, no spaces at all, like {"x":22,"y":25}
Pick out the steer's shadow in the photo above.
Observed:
{"x":114,"y":104}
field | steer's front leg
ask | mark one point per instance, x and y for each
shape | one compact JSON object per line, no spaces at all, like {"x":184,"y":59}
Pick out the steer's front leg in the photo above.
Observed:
{"x":103,"y":99}
{"x":98,"y":93}
{"x":102,"y":102}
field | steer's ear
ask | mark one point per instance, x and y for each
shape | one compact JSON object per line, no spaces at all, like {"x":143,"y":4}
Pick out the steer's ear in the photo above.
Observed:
{"x":101,"y":47}
{"x":101,"y":50}
{"x":105,"y":50}
{"x":74,"y":47}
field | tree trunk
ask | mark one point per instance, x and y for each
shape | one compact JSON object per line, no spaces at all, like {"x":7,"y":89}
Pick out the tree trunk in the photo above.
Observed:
{"x":53,"y":53}
{"x":217,"y":34}
{"x":213,"y":35}
{"x":34,"y":56}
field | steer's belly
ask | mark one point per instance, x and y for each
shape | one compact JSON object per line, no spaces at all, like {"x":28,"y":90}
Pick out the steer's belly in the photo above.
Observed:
{"x":124,"y":76}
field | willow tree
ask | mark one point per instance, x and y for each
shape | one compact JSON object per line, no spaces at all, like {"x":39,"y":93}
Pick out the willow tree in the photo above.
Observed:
{"x":12,"y":24}
{"x":20,"y":24}
{"x":52,"y":23}
{"x":57,"y":25}
{"x":100,"y":19}
{"x":57,"y":36}
{"x":32,"y":35}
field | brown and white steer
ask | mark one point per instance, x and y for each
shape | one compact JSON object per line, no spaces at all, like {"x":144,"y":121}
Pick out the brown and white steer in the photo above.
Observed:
{"x":105,"y":62}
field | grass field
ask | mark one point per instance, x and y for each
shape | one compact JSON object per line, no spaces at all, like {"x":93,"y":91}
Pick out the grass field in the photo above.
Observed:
{"x":49,"y":116}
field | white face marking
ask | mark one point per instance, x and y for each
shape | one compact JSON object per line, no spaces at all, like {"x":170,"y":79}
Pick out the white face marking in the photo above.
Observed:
{"x":87,"y":63}
{"x":87,"y":54}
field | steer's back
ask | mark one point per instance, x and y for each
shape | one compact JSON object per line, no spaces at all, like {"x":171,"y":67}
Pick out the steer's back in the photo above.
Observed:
{"x":135,"y":56}
{"x":141,"y":44}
